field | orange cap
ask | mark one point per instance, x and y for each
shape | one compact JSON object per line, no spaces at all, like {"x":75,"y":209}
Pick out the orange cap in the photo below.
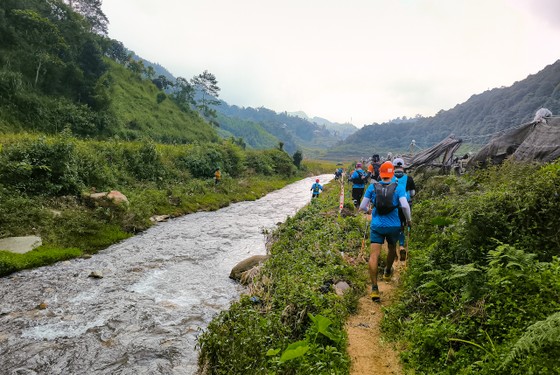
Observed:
{"x":386,"y":170}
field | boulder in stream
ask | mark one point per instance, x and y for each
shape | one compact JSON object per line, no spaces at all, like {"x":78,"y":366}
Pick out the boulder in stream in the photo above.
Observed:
{"x":246,"y":265}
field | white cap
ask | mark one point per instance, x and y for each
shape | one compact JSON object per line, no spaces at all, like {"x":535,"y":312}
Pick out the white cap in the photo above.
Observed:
{"x":398,"y":162}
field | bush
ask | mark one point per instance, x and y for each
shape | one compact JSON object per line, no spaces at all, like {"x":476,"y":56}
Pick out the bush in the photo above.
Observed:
{"x":484,"y":262}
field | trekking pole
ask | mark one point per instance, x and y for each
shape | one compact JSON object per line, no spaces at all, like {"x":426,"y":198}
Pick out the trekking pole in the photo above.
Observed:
{"x":406,"y":248}
{"x":363,"y":247}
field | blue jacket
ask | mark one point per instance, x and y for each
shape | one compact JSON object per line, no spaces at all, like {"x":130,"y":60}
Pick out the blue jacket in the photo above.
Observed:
{"x":316,"y":187}
{"x":390,"y":220}
{"x":356,"y":174}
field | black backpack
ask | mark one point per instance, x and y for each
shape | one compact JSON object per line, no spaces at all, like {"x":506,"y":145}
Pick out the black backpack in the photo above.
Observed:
{"x":384,"y":198}
{"x":361,"y":179}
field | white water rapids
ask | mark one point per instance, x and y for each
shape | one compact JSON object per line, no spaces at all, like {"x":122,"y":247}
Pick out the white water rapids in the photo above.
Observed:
{"x":158,"y":290}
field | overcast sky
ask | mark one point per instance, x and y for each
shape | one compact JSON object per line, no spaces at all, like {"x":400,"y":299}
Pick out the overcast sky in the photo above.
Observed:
{"x":359,"y":61}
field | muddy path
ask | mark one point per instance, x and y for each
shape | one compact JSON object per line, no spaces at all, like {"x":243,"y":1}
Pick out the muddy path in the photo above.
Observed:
{"x":369,"y":353}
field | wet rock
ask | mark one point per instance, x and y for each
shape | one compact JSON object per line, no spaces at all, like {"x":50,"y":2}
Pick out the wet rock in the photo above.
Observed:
{"x":20,"y":245}
{"x":246,"y":265}
{"x":249,"y":275}
{"x":341,"y":287}
{"x":159,"y":218}
{"x":96,"y":275}
{"x":42,"y":306}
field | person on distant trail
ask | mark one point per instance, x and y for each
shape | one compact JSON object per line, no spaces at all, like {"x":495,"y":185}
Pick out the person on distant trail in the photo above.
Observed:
{"x":375,"y":167}
{"x":338,"y":174}
{"x":410,"y":189}
{"x":217,"y":176}
{"x":385,"y":197}
{"x":358,"y":178}
{"x":316,"y":188}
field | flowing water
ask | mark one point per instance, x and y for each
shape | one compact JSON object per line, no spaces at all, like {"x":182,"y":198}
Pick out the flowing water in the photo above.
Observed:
{"x":158,"y":290}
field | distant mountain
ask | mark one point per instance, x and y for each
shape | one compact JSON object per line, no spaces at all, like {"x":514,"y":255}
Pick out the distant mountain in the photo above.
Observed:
{"x":336,"y":128}
{"x":294,"y":131}
{"x":474,"y":121}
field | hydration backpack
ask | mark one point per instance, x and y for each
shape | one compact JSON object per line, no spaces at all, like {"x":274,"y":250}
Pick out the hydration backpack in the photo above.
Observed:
{"x":384,"y":198}
{"x":361,"y":179}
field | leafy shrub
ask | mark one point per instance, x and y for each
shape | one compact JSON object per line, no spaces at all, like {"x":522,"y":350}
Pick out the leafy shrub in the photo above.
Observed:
{"x":41,"y":166}
{"x":484,"y":263}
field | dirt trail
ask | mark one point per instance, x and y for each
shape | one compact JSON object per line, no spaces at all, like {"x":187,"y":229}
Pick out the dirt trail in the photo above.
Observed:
{"x":368,"y":352}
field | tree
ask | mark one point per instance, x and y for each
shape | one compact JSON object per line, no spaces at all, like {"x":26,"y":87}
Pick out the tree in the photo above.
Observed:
{"x":207,"y":86}
{"x":42,"y":37}
{"x":115,"y":50}
{"x":162,"y":82}
{"x":184,"y":96}
{"x":91,"y":11}
{"x":298,"y":157}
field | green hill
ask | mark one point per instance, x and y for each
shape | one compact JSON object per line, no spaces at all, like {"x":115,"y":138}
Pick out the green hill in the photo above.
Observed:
{"x":474,"y":121}
{"x":294,"y":131}
{"x":138,"y":112}
{"x":56,"y":74}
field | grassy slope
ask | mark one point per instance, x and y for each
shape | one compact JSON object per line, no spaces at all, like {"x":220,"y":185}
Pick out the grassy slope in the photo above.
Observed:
{"x":138,"y":114}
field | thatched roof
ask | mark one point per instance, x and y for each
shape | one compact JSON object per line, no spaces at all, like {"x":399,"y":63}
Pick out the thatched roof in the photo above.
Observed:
{"x":534,"y":141}
{"x":430,"y":157}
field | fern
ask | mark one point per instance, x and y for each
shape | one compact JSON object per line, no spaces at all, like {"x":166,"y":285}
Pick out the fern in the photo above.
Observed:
{"x":541,"y":334}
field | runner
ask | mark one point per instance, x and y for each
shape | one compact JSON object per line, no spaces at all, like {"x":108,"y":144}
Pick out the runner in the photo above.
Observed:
{"x":410,"y":189}
{"x":316,"y":188}
{"x":358,"y":178}
{"x":385,"y":197}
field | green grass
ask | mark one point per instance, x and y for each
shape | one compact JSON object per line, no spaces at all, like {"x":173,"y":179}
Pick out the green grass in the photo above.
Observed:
{"x":41,"y":256}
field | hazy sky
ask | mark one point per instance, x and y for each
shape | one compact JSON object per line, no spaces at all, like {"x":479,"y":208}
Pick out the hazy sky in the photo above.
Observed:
{"x":359,"y":61}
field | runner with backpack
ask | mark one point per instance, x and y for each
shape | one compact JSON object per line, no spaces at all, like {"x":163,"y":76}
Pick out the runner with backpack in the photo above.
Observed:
{"x":385,"y":197}
{"x":316,"y":188}
{"x":410,"y":189}
{"x":359,"y":180}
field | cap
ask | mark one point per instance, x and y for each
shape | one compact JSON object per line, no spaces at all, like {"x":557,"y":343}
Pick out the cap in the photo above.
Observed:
{"x":317,"y":180}
{"x":398,"y":162}
{"x":358,"y":165}
{"x":386,"y":170}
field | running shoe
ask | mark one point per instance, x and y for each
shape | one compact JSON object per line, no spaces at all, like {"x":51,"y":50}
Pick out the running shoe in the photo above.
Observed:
{"x":375,"y":293}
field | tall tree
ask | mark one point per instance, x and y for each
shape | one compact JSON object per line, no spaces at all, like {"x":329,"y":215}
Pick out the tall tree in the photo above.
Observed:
{"x":207,"y":85}
{"x":184,"y":94}
{"x":91,"y":10}
{"x":41,"y":37}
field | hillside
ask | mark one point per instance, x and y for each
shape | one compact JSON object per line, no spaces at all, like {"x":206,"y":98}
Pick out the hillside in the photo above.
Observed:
{"x":337,"y":129}
{"x":254,"y":135}
{"x":481,"y":115}
{"x":134,"y":103}
{"x":57,"y":74}
{"x":294,"y":131}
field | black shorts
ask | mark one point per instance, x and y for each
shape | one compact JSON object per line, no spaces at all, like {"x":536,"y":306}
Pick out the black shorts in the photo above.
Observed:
{"x":357,"y":194}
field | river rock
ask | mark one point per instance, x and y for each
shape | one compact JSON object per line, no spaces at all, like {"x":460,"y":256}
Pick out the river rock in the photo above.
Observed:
{"x":246,"y":265}
{"x":341,"y":287}
{"x":106,"y":199}
{"x":159,"y":218}
{"x":96,"y":275}
{"x":20,"y":245}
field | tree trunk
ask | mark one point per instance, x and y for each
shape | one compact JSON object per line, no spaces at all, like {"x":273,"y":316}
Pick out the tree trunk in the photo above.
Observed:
{"x":37,"y":72}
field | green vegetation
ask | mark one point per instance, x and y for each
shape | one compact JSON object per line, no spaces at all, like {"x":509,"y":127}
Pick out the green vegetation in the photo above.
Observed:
{"x":292,"y":322}
{"x":482,"y":291}
{"x":46,"y":183}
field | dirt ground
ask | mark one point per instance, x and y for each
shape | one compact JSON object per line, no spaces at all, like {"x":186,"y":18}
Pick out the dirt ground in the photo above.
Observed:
{"x":367,"y":350}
